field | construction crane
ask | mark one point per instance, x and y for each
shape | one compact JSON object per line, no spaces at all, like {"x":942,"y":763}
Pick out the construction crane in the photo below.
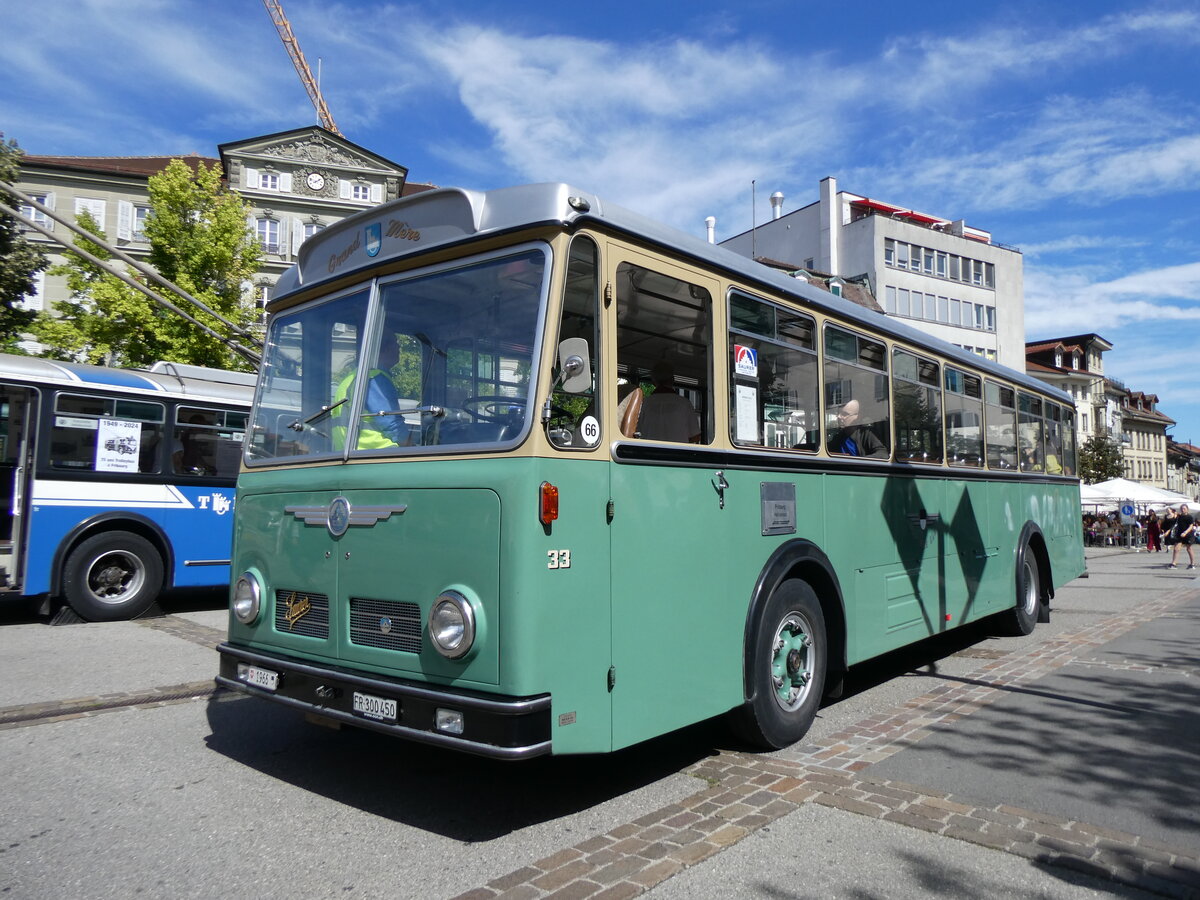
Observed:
{"x":275,"y":8}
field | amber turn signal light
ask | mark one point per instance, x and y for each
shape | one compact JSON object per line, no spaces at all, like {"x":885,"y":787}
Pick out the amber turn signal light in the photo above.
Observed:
{"x":549,"y":504}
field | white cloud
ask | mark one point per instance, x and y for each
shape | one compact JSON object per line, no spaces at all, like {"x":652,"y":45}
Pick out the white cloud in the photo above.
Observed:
{"x":1069,"y":302}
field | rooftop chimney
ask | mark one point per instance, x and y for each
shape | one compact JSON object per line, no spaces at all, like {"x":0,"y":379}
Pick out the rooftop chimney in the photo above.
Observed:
{"x":776,"y":204}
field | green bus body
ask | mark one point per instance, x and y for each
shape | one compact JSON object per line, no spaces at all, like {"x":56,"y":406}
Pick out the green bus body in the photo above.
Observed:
{"x":634,"y":611}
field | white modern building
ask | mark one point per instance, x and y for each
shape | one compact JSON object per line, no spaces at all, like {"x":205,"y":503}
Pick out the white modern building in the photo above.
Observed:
{"x":943,"y":276}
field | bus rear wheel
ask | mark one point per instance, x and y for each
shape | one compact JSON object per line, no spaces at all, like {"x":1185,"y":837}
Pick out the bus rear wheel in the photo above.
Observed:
{"x":112,"y":576}
{"x":1023,"y":617}
{"x":788,"y":660}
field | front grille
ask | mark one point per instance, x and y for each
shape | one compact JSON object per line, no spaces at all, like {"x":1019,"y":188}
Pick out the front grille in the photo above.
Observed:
{"x":386,"y":624}
{"x":300,"y":612}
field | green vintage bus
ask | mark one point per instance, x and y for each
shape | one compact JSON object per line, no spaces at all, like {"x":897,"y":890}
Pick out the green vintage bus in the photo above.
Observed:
{"x":528,"y":473}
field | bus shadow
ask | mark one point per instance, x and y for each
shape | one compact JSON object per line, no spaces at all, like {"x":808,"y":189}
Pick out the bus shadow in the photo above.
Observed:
{"x":459,"y":796}
{"x":925,"y":654}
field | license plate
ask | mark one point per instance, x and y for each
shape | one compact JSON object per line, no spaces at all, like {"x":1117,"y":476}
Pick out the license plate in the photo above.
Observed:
{"x":263,"y":678}
{"x":375,"y":707}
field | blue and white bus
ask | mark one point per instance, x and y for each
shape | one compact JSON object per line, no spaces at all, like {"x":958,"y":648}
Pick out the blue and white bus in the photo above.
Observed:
{"x":116,"y":484}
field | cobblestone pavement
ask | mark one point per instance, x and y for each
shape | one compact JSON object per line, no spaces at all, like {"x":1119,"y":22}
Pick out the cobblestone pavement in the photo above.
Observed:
{"x":746,"y":792}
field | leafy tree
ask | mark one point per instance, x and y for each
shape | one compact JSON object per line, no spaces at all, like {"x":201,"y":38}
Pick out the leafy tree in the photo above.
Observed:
{"x":20,"y":260}
{"x":1100,"y":459}
{"x":198,"y":239}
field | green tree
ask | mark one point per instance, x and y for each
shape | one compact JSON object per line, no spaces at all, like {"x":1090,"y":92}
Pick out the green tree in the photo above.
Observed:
{"x":20,"y":260}
{"x":1100,"y":459}
{"x":199,"y":240}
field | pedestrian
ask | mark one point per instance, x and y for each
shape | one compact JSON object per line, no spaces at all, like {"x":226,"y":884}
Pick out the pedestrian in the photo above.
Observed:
{"x":1184,"y":529}
{"x":1153,"y":533}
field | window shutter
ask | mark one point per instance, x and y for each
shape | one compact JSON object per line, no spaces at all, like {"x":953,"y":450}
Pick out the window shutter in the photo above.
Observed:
{"x":251,"y":177}
{"x":124,"y":220}
{"x":344,"y":188}
{"x":377,"y":193}
{"x":285,"y":182}
{"x":297,"y":235}
{"x":94,"y":207}
{"x":36,"y":298}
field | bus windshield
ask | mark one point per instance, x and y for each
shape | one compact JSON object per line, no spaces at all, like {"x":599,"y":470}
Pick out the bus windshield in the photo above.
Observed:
{"x":439,"y":359}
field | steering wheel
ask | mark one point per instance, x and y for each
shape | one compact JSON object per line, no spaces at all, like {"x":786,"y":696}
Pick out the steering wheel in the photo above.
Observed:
{"x":494,"y":408}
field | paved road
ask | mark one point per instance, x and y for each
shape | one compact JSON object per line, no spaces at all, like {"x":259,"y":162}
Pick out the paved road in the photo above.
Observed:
{"x":1064,"y":764}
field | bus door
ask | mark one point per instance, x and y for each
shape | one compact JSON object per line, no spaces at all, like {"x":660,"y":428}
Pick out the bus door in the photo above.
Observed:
{"x":669,"y":623}
{"x":17,"y":408}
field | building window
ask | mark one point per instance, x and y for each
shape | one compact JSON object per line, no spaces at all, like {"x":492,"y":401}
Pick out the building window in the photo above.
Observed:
{"x":141,"y":215}
{"x":941,"y":265}
{"x":360,"y":192}
{"x":889,"y":252}
{"x":268,"y":181}
{"x":35,"y":210}
{"x":268,"y":234}
{"x":889,"y":303}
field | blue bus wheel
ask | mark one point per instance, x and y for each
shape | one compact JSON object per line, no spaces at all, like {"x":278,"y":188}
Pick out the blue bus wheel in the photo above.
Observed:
{"x":787,"y":664}
{"x":111,"y":576}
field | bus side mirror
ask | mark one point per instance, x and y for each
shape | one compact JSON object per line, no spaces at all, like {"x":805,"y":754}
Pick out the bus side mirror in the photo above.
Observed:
{"x":575,"y":372}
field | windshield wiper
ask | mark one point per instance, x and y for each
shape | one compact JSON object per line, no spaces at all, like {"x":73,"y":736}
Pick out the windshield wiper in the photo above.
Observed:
{"x":436,"y":411}
{"x":301,"y":424}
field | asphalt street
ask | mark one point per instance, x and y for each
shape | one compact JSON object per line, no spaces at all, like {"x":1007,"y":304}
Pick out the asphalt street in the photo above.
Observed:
{"x":1063,"y":764}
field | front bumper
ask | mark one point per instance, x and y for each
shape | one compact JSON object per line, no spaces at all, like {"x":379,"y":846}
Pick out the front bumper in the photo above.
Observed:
{"x":500,"y":728}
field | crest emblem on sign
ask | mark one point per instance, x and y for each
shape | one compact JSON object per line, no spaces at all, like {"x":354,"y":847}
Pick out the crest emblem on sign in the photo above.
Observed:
{"x":374,"y":239}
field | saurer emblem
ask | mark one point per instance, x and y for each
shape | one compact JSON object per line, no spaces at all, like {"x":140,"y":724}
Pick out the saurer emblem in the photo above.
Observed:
{"x":297,"y":609}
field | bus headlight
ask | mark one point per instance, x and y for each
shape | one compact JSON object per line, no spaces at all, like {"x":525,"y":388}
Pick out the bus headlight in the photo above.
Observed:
{"x":247,"y":599}
{"x":452,"y":624}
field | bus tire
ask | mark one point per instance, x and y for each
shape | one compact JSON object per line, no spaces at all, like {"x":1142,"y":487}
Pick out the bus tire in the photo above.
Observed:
{"x":788,"y":661}
{"x":1023,"y":617}
{"x":111,"y":576}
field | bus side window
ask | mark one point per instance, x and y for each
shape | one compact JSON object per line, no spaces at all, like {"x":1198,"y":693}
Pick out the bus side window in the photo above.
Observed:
{"x":964,"y":418}
{"x":774,"y":381}
{"x":917,"y":390}
{"x":856,"y":395}
{"x":575,"y":417}
{"x":1001,"y":418}
{"x":664,"y":331}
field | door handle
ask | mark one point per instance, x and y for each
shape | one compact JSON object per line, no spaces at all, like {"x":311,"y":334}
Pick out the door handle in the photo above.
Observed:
{"x":719,"y":485}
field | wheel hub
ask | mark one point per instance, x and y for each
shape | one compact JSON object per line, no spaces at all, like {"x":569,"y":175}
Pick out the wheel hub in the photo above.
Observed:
{"x":790,"y":667}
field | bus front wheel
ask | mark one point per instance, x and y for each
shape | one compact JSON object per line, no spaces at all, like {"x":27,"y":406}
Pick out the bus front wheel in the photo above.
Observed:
{"x":112,"y":576}
{"x":788,"y":660}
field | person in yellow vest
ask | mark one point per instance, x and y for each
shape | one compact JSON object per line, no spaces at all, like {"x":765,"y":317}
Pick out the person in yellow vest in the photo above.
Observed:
{"x":374,"y":432}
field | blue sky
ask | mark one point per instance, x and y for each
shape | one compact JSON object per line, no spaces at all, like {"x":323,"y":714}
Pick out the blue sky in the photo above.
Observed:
{"x":1070,"y":130}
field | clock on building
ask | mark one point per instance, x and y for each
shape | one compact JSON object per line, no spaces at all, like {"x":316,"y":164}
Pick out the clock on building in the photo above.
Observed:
{"x":315,"y":181}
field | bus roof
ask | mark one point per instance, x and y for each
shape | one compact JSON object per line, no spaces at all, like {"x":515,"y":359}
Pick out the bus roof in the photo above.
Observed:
{"x":439,"y":218}
{"x":178,"y":379}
